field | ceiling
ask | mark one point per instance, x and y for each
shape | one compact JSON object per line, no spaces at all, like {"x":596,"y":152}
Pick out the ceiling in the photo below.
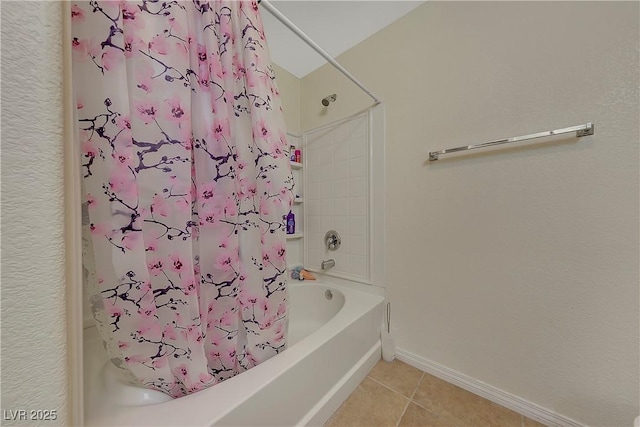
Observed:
{"x":335,"y":26}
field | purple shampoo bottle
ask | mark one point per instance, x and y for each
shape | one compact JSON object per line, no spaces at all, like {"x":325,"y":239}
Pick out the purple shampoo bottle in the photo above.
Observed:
{"x":291,"y":223}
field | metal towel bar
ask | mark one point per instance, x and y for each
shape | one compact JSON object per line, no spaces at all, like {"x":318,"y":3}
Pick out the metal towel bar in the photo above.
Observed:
{"x":580,"y":130}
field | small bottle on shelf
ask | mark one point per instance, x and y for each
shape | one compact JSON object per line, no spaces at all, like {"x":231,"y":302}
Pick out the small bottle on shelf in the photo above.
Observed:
{"x":291,"y":223}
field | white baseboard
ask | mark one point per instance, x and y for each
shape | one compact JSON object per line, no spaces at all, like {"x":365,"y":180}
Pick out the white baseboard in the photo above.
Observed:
{"x":510,"y":401}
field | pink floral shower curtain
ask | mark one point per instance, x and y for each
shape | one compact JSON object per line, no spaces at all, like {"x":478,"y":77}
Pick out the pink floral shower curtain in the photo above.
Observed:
{"x":187,"y":179}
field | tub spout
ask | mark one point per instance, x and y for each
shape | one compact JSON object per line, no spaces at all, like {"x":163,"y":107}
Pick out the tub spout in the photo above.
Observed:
{"x":328,"y":264}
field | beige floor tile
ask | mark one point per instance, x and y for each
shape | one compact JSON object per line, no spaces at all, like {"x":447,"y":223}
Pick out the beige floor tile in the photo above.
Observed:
{"x":417,"y":416}
{"x":371,"y":404}
{"x":498,"y":416}
{"x":397,"y":375}
{"x":528,"y":422}
{"x":462,"y":407}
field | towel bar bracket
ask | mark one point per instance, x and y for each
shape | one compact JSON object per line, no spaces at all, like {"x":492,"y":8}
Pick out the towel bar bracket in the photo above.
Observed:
{"x":585,"y":132}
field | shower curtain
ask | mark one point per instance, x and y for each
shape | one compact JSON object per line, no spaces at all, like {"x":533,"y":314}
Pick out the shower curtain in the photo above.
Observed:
{"x":186,"y":178}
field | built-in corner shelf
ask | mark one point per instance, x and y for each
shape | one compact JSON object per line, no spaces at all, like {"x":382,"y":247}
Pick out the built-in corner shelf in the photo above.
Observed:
{"x":295,"y":249}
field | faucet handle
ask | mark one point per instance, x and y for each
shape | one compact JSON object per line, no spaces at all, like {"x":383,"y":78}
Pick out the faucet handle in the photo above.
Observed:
{"x":332,"y":240}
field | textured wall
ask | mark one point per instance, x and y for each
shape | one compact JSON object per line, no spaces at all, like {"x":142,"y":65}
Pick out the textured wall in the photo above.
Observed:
{"x":289,"y":87}
{"x":517,"y":267}
{"x":33,"y":365}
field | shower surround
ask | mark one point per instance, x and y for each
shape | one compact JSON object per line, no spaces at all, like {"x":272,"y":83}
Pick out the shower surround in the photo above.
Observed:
{"x":337,"y":196}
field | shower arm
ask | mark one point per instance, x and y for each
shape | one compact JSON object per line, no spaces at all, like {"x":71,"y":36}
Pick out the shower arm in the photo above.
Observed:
{"x":298,"y":32}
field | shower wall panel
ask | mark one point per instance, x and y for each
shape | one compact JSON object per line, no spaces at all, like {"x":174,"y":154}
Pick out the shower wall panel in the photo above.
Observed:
{"x":337,"y":196}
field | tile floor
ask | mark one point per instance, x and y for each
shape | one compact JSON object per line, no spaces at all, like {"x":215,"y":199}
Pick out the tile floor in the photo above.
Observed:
{"x":396,"y":394}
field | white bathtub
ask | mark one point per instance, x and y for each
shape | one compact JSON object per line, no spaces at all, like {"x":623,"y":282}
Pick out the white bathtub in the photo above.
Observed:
{"x":333,"y":345}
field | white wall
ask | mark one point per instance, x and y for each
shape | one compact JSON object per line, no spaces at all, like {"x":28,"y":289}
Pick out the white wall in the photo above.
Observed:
{"x":289,"y":88}
{"x":34,"y":372}
{"x":517,"y":267}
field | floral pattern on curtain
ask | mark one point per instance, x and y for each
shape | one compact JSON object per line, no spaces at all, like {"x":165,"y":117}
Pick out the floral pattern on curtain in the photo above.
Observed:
{"x":187,"y":178}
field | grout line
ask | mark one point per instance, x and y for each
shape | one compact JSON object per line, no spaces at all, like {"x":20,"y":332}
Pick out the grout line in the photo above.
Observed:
{"x":386,"y":386}
{"x":393,"y":391}
{"x":410,"y":401}
{"x":403,"y":412}
{"x":396,"y":392}
{"x":431,"y":411}
{"x":425,"y":408}
{"x":436,"y":414}
{"x":417,"y":386}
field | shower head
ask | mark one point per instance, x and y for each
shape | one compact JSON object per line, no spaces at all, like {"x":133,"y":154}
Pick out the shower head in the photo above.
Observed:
{"x":328,"y":99}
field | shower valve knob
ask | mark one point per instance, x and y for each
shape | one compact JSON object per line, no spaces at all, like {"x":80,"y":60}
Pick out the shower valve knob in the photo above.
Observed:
{"x":332,"y":240}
